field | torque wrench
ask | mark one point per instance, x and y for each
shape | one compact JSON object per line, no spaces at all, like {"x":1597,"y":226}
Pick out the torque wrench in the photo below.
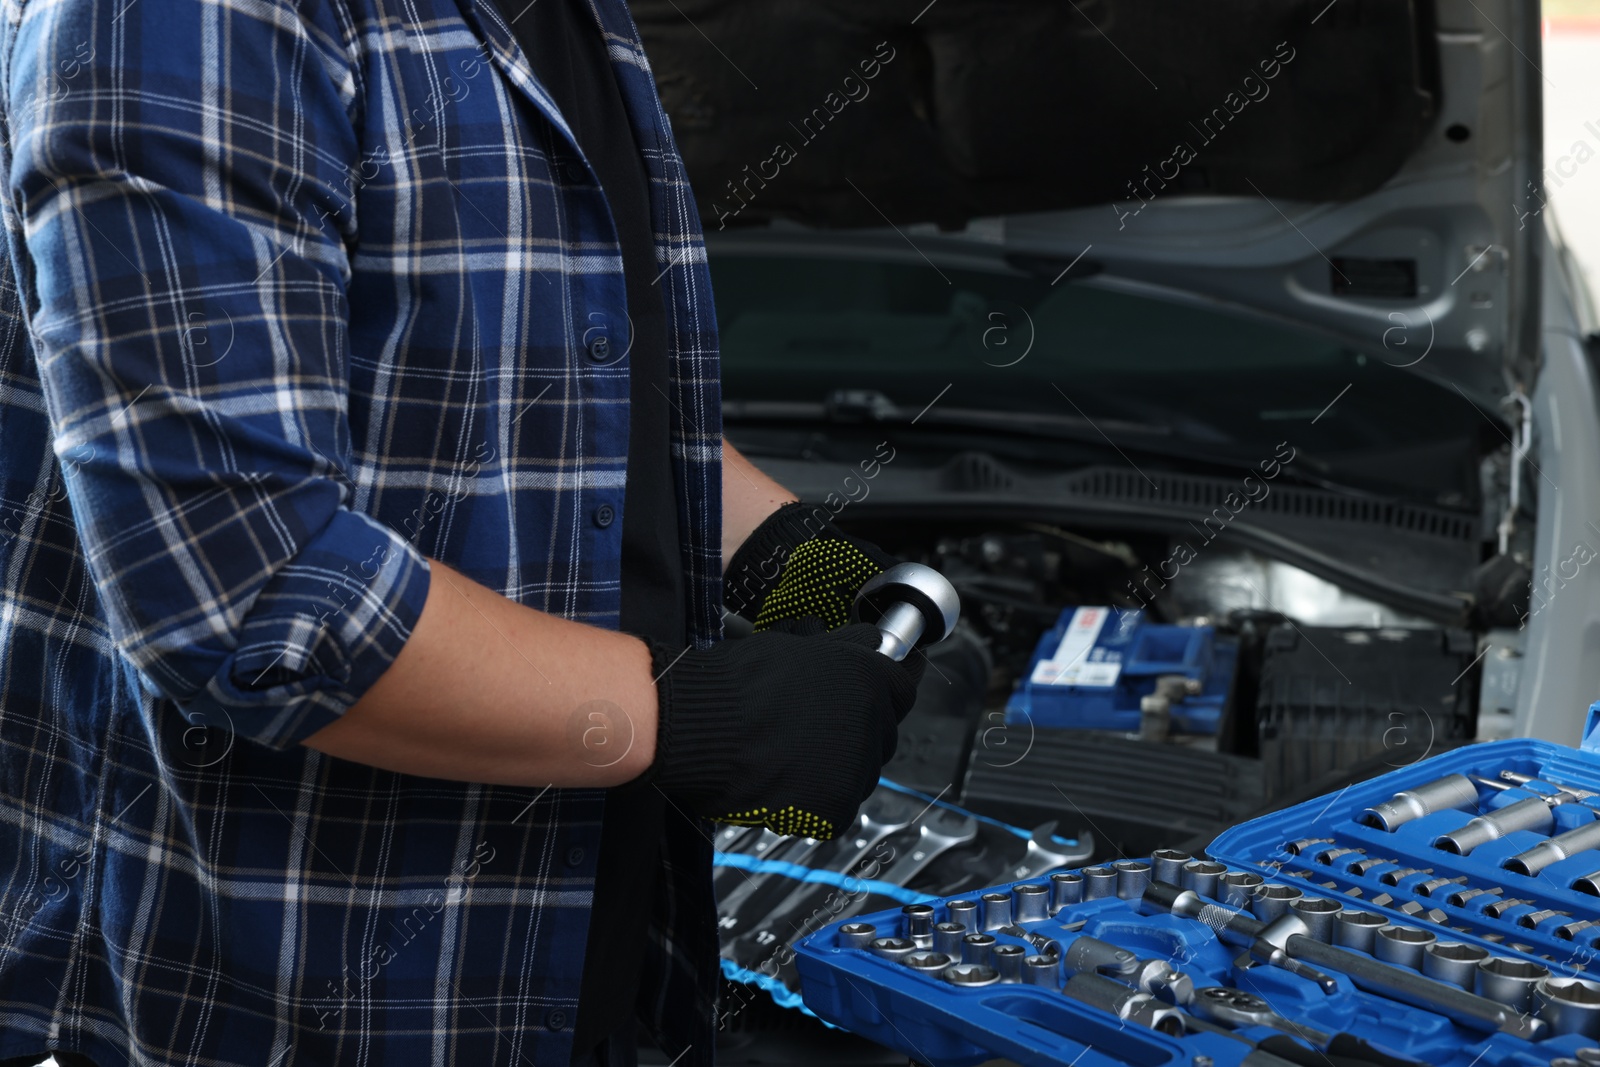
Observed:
{"x":1453,"y":791}
{"x":1554,"y":849}
{"x":912,"y":606}
{"x":1376,"y":977}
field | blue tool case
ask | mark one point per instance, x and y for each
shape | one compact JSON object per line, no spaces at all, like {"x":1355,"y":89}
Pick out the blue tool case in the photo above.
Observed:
{"x":1445,"y":913}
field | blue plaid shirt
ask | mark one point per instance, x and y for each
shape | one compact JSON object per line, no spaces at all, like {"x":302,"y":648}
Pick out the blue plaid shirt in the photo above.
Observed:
{"x":296,"y":296}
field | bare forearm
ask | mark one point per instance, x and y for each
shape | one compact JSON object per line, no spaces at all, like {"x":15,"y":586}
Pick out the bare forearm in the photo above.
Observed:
{"x":748,"y":497}
{"x":487,"y":690}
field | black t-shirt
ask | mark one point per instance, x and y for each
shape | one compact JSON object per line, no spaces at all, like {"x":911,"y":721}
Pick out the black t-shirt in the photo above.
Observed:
{"x":563,"y":43}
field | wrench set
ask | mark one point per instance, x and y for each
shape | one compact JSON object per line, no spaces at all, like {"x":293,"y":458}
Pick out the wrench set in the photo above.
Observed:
{"x":1446,"y":913}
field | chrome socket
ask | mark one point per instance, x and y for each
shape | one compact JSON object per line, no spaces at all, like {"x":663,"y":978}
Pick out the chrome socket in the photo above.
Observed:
{"x":1042,"y":970}
{"x":893,"y":948}
{"x":1357,"y":929}
{"x":1007,"y":959}
{"x":1294,"y":848}
{"x":1400,"y":874}
{"x":1089,"y":955}
{"x":964,"y":912}
{"x":857,"y":935}
{"x":1534,"y":919}
{"x":918,"y":922}
{"x":1403,"y":946}
{"x":996,"y":911}
{"x":1099,"y":882}
{"x":1455,"y":962}
{"x":1568,"y":1005}
{"x":1270,"y":901}
{"x":1201,"y":876}
{"x":1066,"y":887}
{"x":1530,"y":814}
{"x":1572,"y":931}
{"x":1588,"y":883}
{"x":1133,"y":877}
{"x":928,"y":962}
{"x":1318,"y":914}
{"x":976,"y":948}
{"x":1125,"y":1003}
{"x":1554,"y":849}
{"x":1452,"y":791}
{"x":1237,"y":887}
{"x":1030,"y":903}
{"x":1166,"y":865}
{"x":947,"y":938}
{"x":970,"y":975}
{"x":1509,"y":981}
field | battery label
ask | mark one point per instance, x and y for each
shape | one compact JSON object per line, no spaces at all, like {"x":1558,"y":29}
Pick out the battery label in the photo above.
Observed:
{"x":1076,"y":660}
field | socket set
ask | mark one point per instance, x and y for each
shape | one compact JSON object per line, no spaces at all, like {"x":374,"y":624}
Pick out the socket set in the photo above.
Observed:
{"x":1446,"y":913}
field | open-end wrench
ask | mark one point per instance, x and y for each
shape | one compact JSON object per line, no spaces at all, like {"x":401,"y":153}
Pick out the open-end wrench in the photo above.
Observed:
{"x":1046,"y":854}
{"x":1366,"y":973}
{"x":941,"y":830}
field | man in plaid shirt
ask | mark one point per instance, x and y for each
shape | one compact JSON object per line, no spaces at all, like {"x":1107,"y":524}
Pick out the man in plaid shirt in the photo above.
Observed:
{"x":363,"y":519}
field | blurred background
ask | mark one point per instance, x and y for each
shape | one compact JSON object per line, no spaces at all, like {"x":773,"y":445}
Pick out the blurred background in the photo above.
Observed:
{"x":1572,"y":119}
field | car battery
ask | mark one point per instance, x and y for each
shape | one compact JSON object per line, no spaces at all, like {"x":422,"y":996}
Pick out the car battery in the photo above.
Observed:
{"x":1445,"y":913}
{"x":1107,"y":668}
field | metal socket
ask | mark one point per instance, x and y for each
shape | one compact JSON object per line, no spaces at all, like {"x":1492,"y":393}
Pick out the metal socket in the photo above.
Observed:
{"x":1357,"y":929}
{"x":964,"y":912}
{"x":1237,"y":887}
{"x":1066,"y":887}
{"x":1403,"y":946}
{"x":1530,"y":814}
{"x":976,"y":948}
{"x":1133,"y":877}
{"x":969,"y":975}
{"x":1400,"y":874}
{"x":1455,"y":962}
{"x":947,"y":938}
{"x":857,"y":935}
{"x":1534,"y":919}
{"x":893,"y":948}
{"x":1568,"y":1005}
{"x":1099,"y":882}
{"x":1451,"y":791}
{"x":1270,"y":901}
{"x":1460,"y":898}
{"x":1589,"y":1057}
{"x":1090,"y":954}
{"x":1574,"y":930}
{"x":918,"y":923}
{"x":1509,"y":981}
{"x":1363,"y":866}
{"x":1166,"y":865}
{"x":1007,"y":959}
{"x":996,"y":911}
{"x":928,"y":962}
{"x":1042,"y":970}
{"x":1588,"y":883}
{"x":1030,"y":903}
{"x":1318,"y":914}
{"x":1294,"y":848}
{"x":1554,"y":849}
{"x":1201,"y":876}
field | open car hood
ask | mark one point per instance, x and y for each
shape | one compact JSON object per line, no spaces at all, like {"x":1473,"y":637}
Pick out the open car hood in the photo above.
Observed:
{"x":1369,"y":168}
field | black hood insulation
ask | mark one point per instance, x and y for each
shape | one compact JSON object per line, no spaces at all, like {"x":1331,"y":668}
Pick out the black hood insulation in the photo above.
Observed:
{"x":850,"y":114}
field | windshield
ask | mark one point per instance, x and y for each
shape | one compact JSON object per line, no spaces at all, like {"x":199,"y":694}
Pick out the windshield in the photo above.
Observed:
{"x":1164,"y":375}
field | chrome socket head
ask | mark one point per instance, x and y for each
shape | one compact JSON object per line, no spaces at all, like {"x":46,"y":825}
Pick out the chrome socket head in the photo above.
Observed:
{"x":1403,"y":946}
{"x":1007,"y":959}
{"x":996,"y":910}
{"x":1451,"y":791}
{"x":857,"y":935}
{"x":1509,"y":981}
{"x":1270,"y":901}
{"x":1201,"y":877}
{"x":1318,"y":914}
{"x":893,"y":948}
{"x":1066,"y":887}
{"x":970,"y":975}
{"x":1357,"y":929}
{"x":1237,"y":887}
{"x":928,"y":962}
{"x":1455,"y":962}
{"x":918,"y":923}
{"x":1133,"y":876}
{"x":975,"y":948}
{"x":1099,"y":882}
{"x":1568,"y":1005}
{"x":1166,"y":865}
{"x":1030,"y":903}
{"x":947,"y":938}
{"x":1046,"y":971}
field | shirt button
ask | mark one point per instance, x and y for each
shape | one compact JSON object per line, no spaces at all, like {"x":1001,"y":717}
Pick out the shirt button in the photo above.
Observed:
{"x":604,"y":515}
{"x":599,"y":349}
{"x":556,"y":1019}
{"x":574,"y":856}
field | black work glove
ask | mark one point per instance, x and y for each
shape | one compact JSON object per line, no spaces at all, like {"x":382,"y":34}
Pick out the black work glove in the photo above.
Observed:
{"x":785,"y":729}
{"x":796,"y":565}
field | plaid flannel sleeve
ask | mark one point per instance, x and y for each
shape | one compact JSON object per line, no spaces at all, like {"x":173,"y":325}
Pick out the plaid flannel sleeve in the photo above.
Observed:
{"x":187,"y":206}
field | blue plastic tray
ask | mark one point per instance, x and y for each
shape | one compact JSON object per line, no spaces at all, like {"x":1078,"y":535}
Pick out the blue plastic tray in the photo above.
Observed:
{"x":940,"y":1024}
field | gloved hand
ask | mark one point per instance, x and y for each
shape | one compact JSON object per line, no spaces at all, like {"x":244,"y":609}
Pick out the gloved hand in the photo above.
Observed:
{"x":797,"y":565}
{"x":785,"y":729}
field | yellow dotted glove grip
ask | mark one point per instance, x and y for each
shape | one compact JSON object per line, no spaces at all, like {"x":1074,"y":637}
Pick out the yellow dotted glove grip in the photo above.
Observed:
{"x":820,"y":578}
{"x":786,"y":822}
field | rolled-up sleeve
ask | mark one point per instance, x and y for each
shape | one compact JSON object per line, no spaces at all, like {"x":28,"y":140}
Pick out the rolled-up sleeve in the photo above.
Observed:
{"x":183,"y":172}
